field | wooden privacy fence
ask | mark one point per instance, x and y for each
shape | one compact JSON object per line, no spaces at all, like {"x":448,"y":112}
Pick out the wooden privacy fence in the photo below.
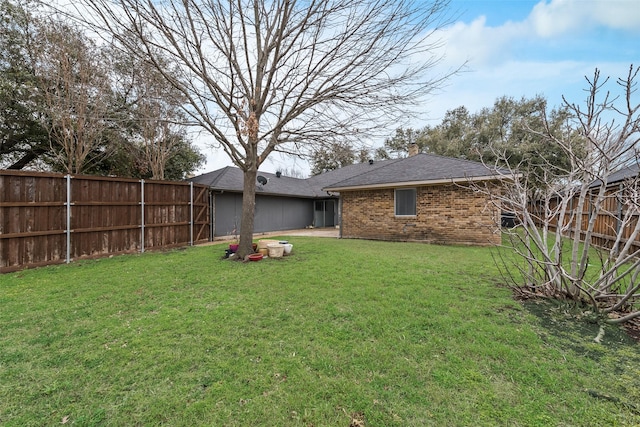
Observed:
{"x":609,"y":221}
{"x":48,"y":218}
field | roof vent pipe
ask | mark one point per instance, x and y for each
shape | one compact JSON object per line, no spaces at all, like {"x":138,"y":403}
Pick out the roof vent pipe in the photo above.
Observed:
{"x":278,"y":174}
{"x":370,"y":161}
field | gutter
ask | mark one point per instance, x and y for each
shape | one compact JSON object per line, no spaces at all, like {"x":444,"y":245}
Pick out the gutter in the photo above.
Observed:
{"x":422,"y":183}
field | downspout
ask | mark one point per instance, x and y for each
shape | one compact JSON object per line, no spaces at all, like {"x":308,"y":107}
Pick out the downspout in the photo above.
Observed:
{"x":212,"y":215}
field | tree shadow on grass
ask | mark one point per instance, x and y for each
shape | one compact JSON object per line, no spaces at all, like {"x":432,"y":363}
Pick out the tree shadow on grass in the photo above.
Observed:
{"x":607,"y":351}
{"x":577,"y":327}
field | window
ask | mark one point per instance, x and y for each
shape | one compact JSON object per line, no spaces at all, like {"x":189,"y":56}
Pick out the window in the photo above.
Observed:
{"x":406,"y":202}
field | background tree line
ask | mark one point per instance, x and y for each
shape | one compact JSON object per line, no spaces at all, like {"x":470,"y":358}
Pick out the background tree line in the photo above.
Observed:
{"x":72,"y":105}
{"x":500,"y":134}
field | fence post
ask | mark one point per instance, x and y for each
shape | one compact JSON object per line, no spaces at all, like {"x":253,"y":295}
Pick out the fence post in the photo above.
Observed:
{"x":68,"y":231}
{"x":619,"y":212}
{"x":141,"y":215}
{"x":191,"y":213}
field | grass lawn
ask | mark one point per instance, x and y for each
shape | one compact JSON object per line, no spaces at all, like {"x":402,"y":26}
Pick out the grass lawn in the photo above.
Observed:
{"x":342,"y":332}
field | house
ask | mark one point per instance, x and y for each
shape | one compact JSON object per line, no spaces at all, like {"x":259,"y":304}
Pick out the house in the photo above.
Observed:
{"x":423,"y":197}
{"x":623,"y":175}
{"x":282,"y":203}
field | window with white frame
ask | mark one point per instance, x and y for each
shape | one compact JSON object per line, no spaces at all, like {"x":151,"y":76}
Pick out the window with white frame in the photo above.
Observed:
{"x":405,"y":202}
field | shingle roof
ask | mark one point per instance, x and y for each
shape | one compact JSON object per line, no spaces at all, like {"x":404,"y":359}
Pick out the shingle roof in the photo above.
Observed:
{"x":328,"y":178}
{"x":421,"y":168}
{"x":627,"y":172}
{"x":232,"y":179}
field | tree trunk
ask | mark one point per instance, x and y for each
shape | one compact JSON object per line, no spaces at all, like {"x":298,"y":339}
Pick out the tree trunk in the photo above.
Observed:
{"x":28,"y":158}
{"x":248,"y":211}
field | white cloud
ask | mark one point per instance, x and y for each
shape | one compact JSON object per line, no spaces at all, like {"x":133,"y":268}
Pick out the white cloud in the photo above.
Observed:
{"x":560,"y":17}
{"x":529,"y":57}
{"x":557,"y":17}
{"x":471,"y":42}
{"x":548,"y":22}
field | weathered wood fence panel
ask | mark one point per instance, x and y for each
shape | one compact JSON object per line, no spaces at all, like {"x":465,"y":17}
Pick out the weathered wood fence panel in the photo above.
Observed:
{"x":50,"y":218}
{"x":608,"y":223}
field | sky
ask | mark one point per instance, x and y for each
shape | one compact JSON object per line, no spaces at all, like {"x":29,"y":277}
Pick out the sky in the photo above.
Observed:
{"x":516,"y":48}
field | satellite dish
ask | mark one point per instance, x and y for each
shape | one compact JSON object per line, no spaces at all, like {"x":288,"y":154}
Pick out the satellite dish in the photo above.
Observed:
{"x":262,"y":180}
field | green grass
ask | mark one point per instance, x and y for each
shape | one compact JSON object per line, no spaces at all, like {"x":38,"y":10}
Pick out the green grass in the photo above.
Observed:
{"x":390,"y":333}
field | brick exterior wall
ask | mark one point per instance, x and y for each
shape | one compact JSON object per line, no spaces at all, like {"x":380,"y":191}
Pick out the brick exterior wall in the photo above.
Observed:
{"x":445,"y":214}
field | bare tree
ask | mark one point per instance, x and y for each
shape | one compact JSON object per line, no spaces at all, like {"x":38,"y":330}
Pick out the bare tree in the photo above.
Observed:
{"x":150,"y":110}
{"x":158,"y":116}
{"x":279,"y":76}
{"x":158,"y":142}
{"x":579,"y":234}
{"x":75,"y":86}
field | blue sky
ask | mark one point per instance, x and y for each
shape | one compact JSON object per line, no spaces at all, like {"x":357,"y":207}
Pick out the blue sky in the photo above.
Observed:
{"x":521,"y":48}
{"x":524,"y":48}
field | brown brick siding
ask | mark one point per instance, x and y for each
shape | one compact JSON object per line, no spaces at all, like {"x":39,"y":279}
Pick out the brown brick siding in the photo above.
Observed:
{"x":446,"y":214}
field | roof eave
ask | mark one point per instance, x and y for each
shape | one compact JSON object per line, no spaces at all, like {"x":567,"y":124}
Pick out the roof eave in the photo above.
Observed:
{"x":422,"y":183}
{"x":260,"y":193}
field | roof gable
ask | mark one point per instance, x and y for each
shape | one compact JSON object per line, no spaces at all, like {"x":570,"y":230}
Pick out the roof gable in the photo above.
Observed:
{"x":422,"y":168}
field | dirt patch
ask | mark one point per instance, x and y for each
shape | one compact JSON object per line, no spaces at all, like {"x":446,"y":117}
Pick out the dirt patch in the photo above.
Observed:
{"x":357,"y":420}
{"x":633,"y":329}
{"x":576,"y":326}
{"x":573,"y":310}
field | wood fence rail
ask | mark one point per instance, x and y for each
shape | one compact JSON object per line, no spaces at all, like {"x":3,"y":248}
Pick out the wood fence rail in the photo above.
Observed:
{"x":48,"y":218}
